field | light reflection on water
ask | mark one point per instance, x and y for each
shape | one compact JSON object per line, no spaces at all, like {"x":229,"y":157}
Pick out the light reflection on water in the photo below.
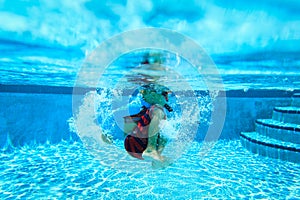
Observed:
{"x":61,"y":70}
{"x":68,"y":170}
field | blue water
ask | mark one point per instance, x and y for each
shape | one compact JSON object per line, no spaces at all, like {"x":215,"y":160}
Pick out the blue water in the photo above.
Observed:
{"x":254,"y":45}
{"x":69,"y":171}
{"x":260,"y":39}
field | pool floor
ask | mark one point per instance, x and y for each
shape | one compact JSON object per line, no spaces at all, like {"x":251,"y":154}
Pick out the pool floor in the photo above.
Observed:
{"x":68,"y":170}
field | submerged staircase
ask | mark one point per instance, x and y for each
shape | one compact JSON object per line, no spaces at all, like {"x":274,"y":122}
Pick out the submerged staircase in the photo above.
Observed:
{"x":278,"y":137}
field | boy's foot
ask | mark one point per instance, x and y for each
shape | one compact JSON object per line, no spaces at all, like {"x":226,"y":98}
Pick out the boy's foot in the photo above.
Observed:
{"x":161,"y":165}
{"x":107,"y":138}
{"x":153,"y":155}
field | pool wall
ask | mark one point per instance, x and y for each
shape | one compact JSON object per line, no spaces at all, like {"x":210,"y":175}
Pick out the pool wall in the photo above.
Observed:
{"x":43,"y":114}
{"x":242,"y":112}
{"x":28,"y":118}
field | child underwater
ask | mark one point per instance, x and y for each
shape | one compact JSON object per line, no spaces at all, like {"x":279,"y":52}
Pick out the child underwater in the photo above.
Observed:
{"x":144,"y":139}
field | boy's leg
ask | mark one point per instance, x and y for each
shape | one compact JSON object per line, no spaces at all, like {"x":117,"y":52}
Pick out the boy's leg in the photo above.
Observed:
{"x":153,"y":131}
{"x":161,"y":143}
{"x":151,"y":150}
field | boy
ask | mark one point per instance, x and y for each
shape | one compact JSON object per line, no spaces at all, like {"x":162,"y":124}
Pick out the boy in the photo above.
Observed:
{"x":145,"y":141}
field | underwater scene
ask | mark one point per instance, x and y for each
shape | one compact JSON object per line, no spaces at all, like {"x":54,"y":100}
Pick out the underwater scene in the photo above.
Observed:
{"x":160,"y":99}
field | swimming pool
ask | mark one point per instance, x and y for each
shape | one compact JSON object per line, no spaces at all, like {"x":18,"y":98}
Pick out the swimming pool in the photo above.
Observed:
{"x":68,"y":170}
{"x":49,"y":102}
{"x":43,"y":156}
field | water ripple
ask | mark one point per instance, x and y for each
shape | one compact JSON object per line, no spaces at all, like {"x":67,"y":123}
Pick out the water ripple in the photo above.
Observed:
{"x":69,"y":171}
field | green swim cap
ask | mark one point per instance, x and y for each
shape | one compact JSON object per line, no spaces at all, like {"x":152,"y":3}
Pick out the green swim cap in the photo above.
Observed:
{"x":155,"y":94}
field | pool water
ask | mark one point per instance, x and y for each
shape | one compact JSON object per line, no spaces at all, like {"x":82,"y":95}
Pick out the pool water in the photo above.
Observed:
{"x":251,"y":52}
{"x":68,"y":170}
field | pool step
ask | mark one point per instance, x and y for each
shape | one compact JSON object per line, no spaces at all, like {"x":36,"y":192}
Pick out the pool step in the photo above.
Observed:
{"x":296,"y":100}
{"x":270,"y":147}
{"x":287,"y":114}
{"x":278,"y":137}
{"x":287,"y":132}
